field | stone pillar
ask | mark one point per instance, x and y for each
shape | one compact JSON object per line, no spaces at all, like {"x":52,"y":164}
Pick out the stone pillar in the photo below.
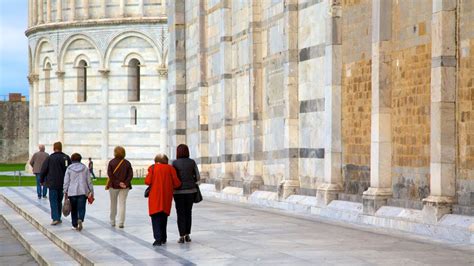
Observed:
{"x":48,"y":11}
{"x":85,"y":7}
{"x":59,"y":10}
{"x":34,"y":12}
{"x":443,"y":112}
{"x":103,"y":5}
{"x":255,"y":168}
{"x":380,"y":189}
{"x":290,"y":183}
{"x":40,"y":11}
{"x":140,"y":7}
{"x":163,"y":7}
{"x":72,"y":6}
{"x":332,"y":185}
{"x":163,"y":74}
{"x":225,"y":83}
{"x":176,"y":75}
{"x":31,"y":134}
{"x":30,"y":12}
{"x":34,"y":78}
{"x":60,"y":75}
{"x":105,"y":115}
{"x":122,"y":8}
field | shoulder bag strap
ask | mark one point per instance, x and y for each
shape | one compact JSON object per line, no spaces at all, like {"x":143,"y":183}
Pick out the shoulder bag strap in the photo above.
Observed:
{"x":117,"y":167}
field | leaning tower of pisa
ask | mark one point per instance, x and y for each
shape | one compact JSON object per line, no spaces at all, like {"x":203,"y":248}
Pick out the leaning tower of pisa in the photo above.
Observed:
{"x":98,"y":77}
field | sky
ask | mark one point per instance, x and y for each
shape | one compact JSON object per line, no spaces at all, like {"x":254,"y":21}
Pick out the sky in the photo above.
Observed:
{"x":13,"y":47}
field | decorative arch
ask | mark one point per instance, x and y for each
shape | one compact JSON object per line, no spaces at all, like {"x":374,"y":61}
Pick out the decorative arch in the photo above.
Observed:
{"x":47,"y":64}
{"x":36,"y":57}
{"x":72,"y":39}
{"x":123,"y":36}
{"x":131,"y":56}
{"x":82,"y":57}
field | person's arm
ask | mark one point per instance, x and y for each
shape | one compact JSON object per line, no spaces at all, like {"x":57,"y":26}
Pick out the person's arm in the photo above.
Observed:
{"x":89,"y":181}
{"x":44,"y":170}
{"x":32,"y":161}
{"x":197,"y":176}
{"x":129,"y":177}
{"x":149,"y":176}
{"x":175,"y":179}
{"x":67,"y":180}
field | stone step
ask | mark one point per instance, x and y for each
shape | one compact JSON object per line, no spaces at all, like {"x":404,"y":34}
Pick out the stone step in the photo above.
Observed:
{"x":38,"y":245}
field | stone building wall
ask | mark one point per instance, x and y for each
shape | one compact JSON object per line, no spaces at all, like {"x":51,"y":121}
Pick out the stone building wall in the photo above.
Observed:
{"x":258,"y":81}
{"x":13,"y":132}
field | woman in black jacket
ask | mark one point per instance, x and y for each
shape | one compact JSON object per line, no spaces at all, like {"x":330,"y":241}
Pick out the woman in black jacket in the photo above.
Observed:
{"x":188,"y":174}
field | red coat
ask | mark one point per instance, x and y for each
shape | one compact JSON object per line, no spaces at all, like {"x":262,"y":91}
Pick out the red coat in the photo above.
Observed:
{"x":163,"y":180}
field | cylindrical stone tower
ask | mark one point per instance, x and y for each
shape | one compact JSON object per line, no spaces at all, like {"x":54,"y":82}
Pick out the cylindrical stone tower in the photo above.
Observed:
{"x":97,"y":77}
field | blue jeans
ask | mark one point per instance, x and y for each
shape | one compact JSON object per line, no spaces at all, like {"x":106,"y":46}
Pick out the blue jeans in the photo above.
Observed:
{"x":40,"y":190}
{"x":56,"y":203}
{"x":78,"y":208}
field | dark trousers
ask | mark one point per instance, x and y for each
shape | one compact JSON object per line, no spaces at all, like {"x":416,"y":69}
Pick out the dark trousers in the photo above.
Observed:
{"x":56,"y":203}
{"x":159,"y":222}
{"x":40,"y":190}
{"x":78,"y":208}
{"x":184,"y":206}
{"x":92,"y":173}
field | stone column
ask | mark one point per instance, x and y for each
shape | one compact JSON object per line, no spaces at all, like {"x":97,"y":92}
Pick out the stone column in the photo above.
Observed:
{"x":225,"y":83}
{"x":140,"y":7}
{"x":40,"y":12}
{"x":163,"y":74}
{"x":72,"y":6}
{"x":163,"y":7}
{"x":59,"y":10}
{"x":105,"y":114}
{"x":85,"y":7}
{"x":60,"y":75}
{"x":380,"y":189}
{"x":30,"y":12}
{"x":31,"y":136}
{"x":34,"y":78}
{"x":176,"y":75}
{"x":255,"y":168}
{"x":34,"y":12}
{"x":332,"y":185}
{"x":122,"y":8}
{"x":290,"y":183}
{"x":48,"y":11}
{"x":443,"y":112}
{"x":103,"y":5}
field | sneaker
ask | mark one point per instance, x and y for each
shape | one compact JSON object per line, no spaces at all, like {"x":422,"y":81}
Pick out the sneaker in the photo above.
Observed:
{"x":45,"y":197}
{"x":79,"y":225}
{"x":39,"y":197}
{"x":157,"y":243}
{"x":55,"y":223}
{"x":74,"y":228}
{"x":181,"y":240}
{"x":121,"y":226}
{"x":187,"y":238}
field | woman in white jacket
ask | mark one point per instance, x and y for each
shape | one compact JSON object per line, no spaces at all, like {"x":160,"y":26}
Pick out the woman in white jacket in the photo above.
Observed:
{"x":77,"y":187}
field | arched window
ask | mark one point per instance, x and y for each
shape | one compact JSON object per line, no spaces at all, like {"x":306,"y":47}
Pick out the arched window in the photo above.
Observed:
{"x":133,"y":115}
{"x":134,"y":80}
{"x":47,"y":84}
{"x":82,"y":81}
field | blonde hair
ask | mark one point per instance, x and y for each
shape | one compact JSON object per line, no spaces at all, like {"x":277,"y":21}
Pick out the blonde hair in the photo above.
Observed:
{"x":161,"y":158}
{"x":119,"y":152}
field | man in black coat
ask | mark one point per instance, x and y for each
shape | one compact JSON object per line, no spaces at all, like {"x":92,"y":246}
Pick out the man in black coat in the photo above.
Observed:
{"x":52,"y":174}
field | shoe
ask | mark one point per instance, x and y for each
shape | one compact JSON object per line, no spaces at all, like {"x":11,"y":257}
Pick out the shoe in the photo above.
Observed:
{"x":156,"y":243}
{"x":121,"y":226}
{"x":39,"y":197}
{"x":74,"y":228}
{"x":163,"y":242}
{"x":60,"y":222}
{"x":45,"y":197}
{"x":79,"y":225}
{"x":187,"y":238}
{"x":181,"y":240}
{"x":55,"y":223}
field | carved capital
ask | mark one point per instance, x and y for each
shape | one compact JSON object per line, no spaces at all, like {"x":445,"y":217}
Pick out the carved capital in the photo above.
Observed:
{"x":32,"y":78}
{"x":60,"y":74}
{"x":104,"y":73}
{"x":163,"y":72}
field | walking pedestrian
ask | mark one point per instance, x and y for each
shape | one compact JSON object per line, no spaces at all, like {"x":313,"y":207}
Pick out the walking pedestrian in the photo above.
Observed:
{"x":36,"y":162}
{"x":188,"y":174}
{"x":162,"y":180}
{"x":77,"y":188}
{"x":91,"y":168}
{"x":120,"y":175}
{"x":52,"y":174}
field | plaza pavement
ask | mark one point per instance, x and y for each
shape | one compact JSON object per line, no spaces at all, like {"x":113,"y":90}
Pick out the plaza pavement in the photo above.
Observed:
{"x":223,"y":234}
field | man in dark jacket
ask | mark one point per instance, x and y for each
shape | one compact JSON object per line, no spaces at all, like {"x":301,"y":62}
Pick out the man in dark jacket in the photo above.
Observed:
{"x":52,"y":174}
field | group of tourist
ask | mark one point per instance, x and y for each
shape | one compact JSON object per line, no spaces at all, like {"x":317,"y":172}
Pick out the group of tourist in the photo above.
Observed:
{"x":67,"y":177}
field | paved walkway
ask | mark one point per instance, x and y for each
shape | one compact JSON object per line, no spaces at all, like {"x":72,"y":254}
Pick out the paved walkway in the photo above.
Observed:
{"x":237,"y":235}
{"x":11,"y":251}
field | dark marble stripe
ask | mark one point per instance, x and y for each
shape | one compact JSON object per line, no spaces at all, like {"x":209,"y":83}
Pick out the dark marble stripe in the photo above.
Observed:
{"x":309,"y":106}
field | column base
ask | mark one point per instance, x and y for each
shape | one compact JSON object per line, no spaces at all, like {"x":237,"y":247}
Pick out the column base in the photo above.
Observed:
{"x":374,"y":198}
{"x":223,"y":181}
{"x":435,"y":207}
{"x":288,"y":188}
{"x":251,"y":185}
{"x":326,"y":193}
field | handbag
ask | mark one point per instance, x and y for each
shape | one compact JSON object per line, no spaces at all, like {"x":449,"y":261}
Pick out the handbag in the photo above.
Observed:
{"x":66,"y":207}
{"x":107,"y":184}
{"x":147,"y":190}
{"x":197,"y":195}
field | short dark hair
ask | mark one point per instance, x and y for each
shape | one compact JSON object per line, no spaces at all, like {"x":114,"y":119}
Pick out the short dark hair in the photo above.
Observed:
{"x":90,"y":159}
{"x":76,"y":157}
{"x":182,"y":151}
{"x":161,"y":158}
{"x":58,"y":146}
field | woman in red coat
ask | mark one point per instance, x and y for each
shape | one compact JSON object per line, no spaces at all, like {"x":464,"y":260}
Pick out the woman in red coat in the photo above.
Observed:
{"x":162,"y":180}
